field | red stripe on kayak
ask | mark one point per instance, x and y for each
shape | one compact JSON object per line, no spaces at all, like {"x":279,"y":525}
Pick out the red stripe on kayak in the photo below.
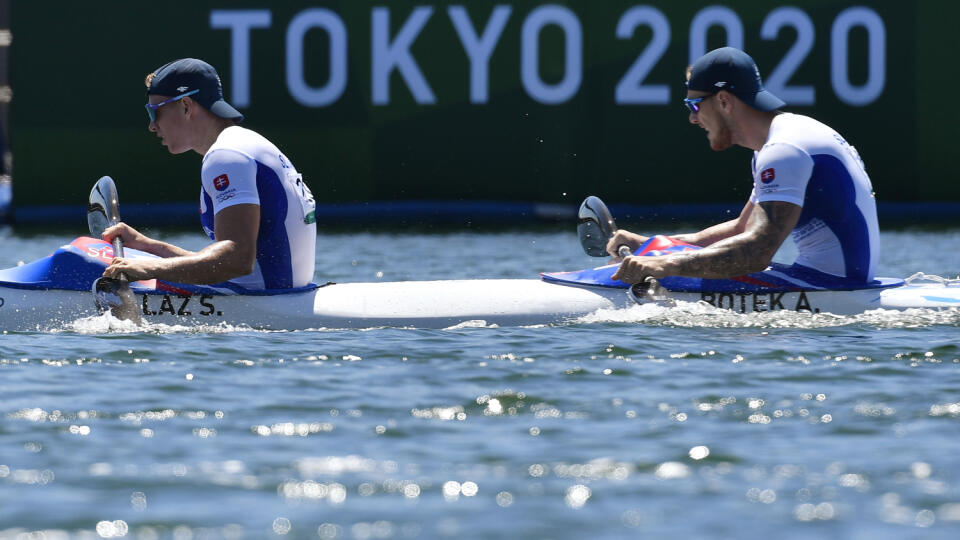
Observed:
{"x":166,"y":287}
{"x":753,"y":281}
{"x":660,"y":243}
{"x":93,"y":247}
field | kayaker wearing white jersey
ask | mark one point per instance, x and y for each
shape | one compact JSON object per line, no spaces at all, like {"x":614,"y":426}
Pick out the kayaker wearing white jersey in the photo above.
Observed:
{"x":807,"y":181}
{"x":253,"y":202}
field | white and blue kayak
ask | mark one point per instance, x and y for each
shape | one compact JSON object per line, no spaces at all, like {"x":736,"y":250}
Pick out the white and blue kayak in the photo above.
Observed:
{"x":54,"y":291}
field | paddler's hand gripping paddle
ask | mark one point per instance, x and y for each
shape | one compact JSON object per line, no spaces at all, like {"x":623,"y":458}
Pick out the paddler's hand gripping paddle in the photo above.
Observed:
{"x":103,"y":210}
{"x":596,"y":227}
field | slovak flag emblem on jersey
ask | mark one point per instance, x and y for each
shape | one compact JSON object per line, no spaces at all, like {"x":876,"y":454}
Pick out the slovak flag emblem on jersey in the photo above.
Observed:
{"x":766,"y":176}
{"x":222,"y":182}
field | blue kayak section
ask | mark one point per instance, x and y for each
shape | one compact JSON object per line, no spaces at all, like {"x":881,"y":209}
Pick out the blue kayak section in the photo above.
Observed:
{"x":75,"y":266}
{"x":67,"y":268}
{"x":777,"y":278}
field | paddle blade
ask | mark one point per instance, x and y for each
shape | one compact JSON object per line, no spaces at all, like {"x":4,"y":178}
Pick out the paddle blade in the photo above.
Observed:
{"x":595,"y":226}
{"x":650,"y":291}
{"x":115,"y":296}
{"x":103,"y":206}
{"x":97,"y":221}
{"x":103,"y":210}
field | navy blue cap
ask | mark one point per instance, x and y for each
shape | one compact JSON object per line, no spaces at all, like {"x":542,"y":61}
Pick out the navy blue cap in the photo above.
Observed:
{"x":732,"y":70}
{"x":188,"y":74}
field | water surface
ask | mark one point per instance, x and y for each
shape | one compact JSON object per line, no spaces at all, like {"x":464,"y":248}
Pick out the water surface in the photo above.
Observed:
{"x":646,"y":422}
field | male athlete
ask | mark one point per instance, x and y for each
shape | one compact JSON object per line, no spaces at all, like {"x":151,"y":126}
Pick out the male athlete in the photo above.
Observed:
{"x":254,"y":204}
{"x":807,"y":181}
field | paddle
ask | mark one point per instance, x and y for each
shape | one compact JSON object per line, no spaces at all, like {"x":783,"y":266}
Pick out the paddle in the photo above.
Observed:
{"x":596,"y":227}
{"x":103,"y":210}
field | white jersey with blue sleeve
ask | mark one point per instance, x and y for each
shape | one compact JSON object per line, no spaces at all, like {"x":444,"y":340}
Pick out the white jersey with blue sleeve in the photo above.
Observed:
{"x":243,"y":167}
{"x":807,"y":163}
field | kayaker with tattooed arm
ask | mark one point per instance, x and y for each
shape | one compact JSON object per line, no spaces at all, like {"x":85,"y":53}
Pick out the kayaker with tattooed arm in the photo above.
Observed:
{"x":254,"y":204}
{"x":808,"y":182}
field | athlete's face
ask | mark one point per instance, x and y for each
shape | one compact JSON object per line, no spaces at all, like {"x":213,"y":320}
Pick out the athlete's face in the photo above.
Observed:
{"x":710,"y":118}
{"x":171,"y":124}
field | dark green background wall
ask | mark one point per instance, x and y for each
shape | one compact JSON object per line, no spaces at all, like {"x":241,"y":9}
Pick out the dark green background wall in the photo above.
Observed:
{"x":77,"y":71}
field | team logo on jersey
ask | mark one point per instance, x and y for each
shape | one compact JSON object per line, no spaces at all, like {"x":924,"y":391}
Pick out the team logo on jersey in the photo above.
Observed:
{"x":222,"y":182}
{"x":226,"y":195}
{"x":767,"y":175}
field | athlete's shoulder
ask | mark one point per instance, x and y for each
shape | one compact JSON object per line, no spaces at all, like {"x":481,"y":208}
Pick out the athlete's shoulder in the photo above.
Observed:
{"x":782,"y":152}
{"x":809,"y":134}
{"x":790,"y":121}
{"x":240,"y":139}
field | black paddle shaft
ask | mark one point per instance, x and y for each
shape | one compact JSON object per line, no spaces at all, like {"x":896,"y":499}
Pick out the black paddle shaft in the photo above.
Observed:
{"x":103,"y":210}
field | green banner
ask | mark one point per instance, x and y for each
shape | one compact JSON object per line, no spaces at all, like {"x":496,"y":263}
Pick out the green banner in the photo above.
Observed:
{"x":509,"y":101}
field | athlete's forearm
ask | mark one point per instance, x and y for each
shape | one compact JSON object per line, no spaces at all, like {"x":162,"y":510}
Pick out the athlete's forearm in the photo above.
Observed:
{"x":735,"y":256}
{"x":160,"y":248}
{"x":711,"y":235}
{"x":743,"y":252}
{"x":218,"y":262}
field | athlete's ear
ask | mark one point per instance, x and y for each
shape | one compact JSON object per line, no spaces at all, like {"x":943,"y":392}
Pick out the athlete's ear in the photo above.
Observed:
{"x":725,"y":101}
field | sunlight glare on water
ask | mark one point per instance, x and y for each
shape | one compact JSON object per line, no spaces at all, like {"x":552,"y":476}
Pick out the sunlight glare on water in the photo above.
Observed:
{"x":682,"y":422}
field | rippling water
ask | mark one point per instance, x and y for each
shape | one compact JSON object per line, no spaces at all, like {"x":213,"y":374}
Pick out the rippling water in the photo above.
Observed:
{"x":650,"y":422}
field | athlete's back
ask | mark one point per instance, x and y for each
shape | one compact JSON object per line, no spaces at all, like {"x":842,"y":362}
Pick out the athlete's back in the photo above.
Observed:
{"x":807,"y":163}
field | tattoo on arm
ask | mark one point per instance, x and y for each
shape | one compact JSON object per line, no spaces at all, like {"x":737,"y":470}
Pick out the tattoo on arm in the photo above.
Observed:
{"x":749,"y":251}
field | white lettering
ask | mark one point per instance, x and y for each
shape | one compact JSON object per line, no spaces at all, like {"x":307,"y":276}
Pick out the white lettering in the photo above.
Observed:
{"x":776,"y":83}
{"x":840,"y":56}
{"x":388,"y":56}
{"x":392,"y":52}
{"x":530,"y":54}
{"x":479,"y":48}
{"x":240,"y":22}
{"x":714,"y":16}
{"x":630,"y":88}
{"x":296,"y":82}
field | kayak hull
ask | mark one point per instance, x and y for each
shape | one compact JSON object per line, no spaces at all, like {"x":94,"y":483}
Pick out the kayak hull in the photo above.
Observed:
{"x":836,"y":302}
{"x":420,"y":304}
{"x":52,"y":292}
{"x":436,"y":304}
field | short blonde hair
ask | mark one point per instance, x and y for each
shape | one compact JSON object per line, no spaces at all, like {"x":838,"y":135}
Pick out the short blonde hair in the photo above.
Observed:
{"x":149,"y":79}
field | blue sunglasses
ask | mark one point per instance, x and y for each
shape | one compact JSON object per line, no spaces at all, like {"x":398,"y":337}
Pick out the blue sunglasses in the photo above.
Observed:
{"x":152,"y":107}
{"x":693,"y":104}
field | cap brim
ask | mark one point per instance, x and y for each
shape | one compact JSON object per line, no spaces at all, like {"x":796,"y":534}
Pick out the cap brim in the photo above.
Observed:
{"x":765,"y":101}
{"x":225,"y":110}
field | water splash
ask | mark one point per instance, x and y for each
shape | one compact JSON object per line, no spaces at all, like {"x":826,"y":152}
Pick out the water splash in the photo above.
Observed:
{"x":680,"y":314}
{"x":106,"y":323}
{"x":472,"y":324}
{"x":702,"y":315}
